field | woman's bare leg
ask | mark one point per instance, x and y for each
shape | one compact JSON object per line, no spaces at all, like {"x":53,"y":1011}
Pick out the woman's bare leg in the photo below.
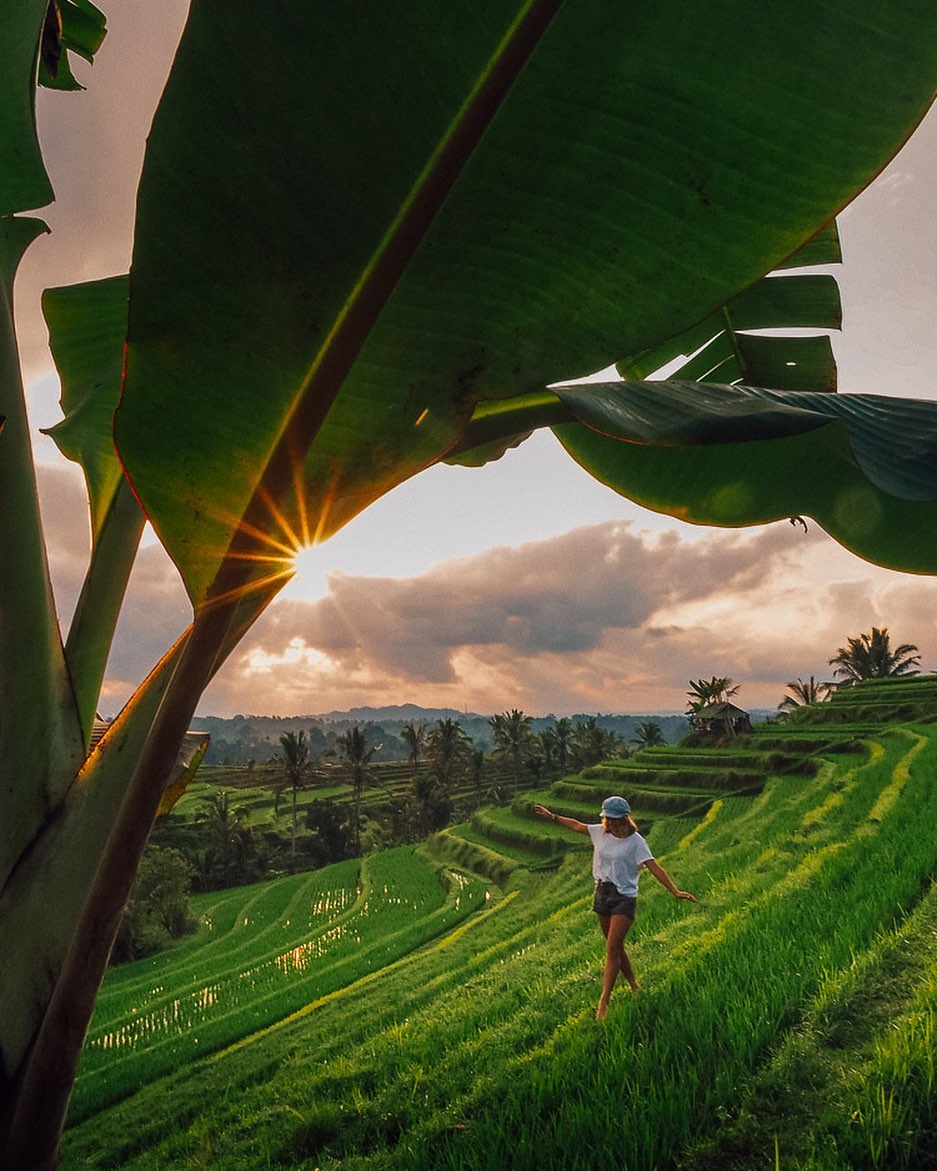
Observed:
{"x":614,"y":928}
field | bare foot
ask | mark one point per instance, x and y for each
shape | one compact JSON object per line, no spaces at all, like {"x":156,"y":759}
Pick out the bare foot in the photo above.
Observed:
{"x":635,"y":987}
{"x":602,"y":1010}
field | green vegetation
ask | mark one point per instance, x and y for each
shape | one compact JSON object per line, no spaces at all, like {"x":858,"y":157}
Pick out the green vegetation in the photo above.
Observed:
{"x":853,"y":1084}
{"x":865,"y":705}
{"x":286,"y":945}
{"x":158,"y":909}
{"x":871,"y":656}
{"x":232,"y":826}
{"x":559,"y":189}
{"x":801,"y":692}
{"x":648,"y":734}
{"x":792,"y":1009}
{"x":704,"y":692}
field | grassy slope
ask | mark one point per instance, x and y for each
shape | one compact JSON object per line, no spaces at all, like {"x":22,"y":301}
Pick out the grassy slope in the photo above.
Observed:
{"x":316,"y":937}
{"x":853,"y":1084}
{"x":479,"y":1049}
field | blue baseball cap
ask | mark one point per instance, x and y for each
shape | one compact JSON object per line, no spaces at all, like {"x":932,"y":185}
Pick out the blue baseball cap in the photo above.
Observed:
{"x":615,"y":807}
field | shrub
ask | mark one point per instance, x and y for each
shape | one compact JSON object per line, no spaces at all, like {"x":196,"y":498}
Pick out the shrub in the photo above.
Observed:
{"x":158,"y":909}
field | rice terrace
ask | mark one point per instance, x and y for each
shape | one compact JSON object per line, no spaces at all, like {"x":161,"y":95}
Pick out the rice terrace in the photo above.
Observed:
{"x":432,"y":1006}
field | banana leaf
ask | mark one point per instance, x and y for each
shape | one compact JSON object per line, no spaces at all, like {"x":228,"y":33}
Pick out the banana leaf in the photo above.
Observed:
{"x":36,"y":39}
{"x":863,"y":466}
{"x":34,"y":687}
{"x":75,"y":25}
{"x":720,"y":349}
{"x":87,"y":327}
{"x":715,"y":349}
{"x":335,"y":265}
{"x":24,"y":183}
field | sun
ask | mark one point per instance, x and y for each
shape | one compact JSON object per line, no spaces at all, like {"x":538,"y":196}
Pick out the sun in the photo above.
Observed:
{"x":307,"y":580}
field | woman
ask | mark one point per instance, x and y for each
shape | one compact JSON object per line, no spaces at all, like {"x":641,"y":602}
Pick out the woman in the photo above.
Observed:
{"x":618,"y":854}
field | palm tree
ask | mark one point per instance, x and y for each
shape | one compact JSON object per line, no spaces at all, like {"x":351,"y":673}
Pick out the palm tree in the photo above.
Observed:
{"x":803,"y":693}
{"x":514,"y":739}
{"x":704,"y":692}
{"x":545,"y":743}
{"x":563,"y":729}
{"x":871,"y":656}
{"x":294,"y":761}
{"x":231,"y":840}
{"x":648,"y":734}
{"x":415,"y":737}
{"x":592,"y":743}
{"x":448,"y":749}
{"x":354,"y":750}
{"x":477,"y":765}
{"x":432,"y":803}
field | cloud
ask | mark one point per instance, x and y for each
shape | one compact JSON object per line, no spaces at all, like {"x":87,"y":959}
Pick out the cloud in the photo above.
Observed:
{"x":555,"y":596}
{"x":67,"y":530}
{"x":604,"y":617}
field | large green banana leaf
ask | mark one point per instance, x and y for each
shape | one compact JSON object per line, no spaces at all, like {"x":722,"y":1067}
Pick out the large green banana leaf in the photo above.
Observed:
{"x":718,"y":349}
{"x":863,"y":466}
{"x":24,"y":183}
{"x":782,"y":361}
{"x":36,"y":39}
{"x":35,"y":694}
{"x":715,"y":349}
{"x":337,"y":259}
{"x":87,"y":327}
{"x":70,"y":24}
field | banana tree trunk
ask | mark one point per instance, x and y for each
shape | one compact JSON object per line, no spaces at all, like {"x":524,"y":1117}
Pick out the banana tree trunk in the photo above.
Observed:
{"x":75,"y":884}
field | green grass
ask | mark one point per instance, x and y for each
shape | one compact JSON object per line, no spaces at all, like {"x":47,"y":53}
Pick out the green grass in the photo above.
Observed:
{"x":301,"y":950}
{"x":245,"y":922}
{"x":507,"y":848}
{"x":853,"y":1083}
{"x":474,"y":1044}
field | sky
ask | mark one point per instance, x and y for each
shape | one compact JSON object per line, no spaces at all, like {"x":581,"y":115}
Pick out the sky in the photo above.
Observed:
{"x":523,"y":584}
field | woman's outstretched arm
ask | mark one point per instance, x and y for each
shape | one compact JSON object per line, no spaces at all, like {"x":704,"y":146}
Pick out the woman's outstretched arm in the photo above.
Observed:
{"x":666,"y":881}
{"x":578,"y":827}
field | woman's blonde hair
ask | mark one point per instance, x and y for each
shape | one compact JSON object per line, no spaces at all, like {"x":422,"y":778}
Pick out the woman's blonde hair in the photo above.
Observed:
{"x":616,"y":823}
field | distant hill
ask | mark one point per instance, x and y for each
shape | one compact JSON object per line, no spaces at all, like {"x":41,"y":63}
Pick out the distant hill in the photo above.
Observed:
{"x":241,"y":739}
{"x":403,"y":711}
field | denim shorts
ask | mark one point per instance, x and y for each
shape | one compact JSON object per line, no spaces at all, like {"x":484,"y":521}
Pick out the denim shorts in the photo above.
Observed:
{"x":608,"y":900}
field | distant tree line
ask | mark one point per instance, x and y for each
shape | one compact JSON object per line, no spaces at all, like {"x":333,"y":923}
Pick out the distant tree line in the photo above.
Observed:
{"x":449,"y":775}
{"x":252,"y":740}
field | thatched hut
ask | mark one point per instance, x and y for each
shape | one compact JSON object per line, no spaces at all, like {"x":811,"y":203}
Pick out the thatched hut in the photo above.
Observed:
{"x":721,"y":719}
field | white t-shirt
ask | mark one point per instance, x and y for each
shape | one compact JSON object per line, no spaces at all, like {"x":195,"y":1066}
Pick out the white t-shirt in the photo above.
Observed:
{"x":618,"y":860}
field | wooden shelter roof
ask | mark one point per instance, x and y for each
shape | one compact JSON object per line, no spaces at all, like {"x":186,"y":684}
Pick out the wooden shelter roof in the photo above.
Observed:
{"x":720,"y":711}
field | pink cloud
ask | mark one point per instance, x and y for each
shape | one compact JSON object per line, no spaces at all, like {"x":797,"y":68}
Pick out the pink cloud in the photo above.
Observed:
{"x":600,"y":618}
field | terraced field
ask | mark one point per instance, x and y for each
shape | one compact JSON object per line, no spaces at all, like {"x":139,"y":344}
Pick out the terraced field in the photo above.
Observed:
{"x":262,"y":953}
{"x":459,"y":1032}
{"x":876,"y":702}
{"x":671,"y":783}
